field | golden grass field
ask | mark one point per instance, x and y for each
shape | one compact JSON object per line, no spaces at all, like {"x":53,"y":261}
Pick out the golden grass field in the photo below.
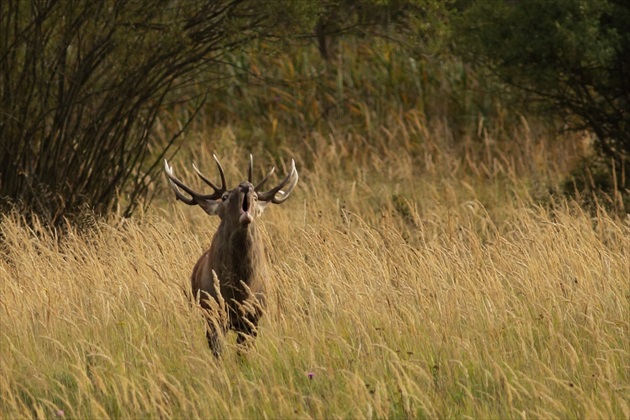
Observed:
{"x":408,"y":282}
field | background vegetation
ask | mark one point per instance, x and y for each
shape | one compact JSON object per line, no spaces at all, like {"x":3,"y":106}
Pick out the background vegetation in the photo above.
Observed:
{"x":85,"y":84}
{"x":571,"y":56}
{"x":428,"y":264}
{"x":93,"y":96}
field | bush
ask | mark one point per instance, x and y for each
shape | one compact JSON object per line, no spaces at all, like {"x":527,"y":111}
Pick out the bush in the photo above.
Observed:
{"x":82,"y":85}
{"x":571,"y":55}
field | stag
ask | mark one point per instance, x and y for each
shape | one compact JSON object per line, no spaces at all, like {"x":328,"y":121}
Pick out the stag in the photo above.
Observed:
{"x":230,"y":276}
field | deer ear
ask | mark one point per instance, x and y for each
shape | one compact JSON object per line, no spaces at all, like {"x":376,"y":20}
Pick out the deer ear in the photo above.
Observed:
{"x":210,"y":206}
{"x":262,"y":205}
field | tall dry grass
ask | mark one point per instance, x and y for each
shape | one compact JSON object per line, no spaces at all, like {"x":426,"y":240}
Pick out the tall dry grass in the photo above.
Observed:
{"x":411,"y":279}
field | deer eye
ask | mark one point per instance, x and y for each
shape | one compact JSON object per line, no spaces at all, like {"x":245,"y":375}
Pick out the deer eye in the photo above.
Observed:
{"x":225,"y":196}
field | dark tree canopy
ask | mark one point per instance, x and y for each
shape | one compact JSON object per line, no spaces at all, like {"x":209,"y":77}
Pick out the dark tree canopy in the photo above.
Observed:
{"x":373,"y":17}
{"x":573,"y":55}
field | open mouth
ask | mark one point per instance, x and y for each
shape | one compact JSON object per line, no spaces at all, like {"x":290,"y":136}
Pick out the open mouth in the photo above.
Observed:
{"x":246,"y":215}
{"x":246,"y":204}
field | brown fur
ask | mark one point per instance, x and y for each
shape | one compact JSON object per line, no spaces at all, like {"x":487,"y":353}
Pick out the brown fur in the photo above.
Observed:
{"x":229,"y":278}
{"x":236,"y":256}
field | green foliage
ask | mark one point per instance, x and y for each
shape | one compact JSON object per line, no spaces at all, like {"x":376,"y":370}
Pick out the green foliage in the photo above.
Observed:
{"x":376,"y":17}
{"x":276,"y":96}
{"x":573,"y":55}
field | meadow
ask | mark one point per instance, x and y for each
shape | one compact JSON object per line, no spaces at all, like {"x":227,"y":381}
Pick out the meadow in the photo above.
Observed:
{"x":418,"y":272}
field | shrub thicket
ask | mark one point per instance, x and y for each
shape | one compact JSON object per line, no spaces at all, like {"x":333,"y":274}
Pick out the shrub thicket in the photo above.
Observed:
{"x":82,"y":85}
{"x":572,"y":56}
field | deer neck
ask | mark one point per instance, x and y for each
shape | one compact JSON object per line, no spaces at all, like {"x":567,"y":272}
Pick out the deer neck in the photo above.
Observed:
{"x":243,"y":254}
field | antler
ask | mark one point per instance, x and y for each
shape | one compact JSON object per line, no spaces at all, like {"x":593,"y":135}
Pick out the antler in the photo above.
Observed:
{"x":197,"y":198}
{"x":250,"y":174}
{"x":276,"y":195}
{"x":207,"y":181}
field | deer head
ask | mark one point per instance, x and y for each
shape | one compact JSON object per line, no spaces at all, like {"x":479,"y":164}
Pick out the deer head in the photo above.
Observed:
{"x":240,"y":205}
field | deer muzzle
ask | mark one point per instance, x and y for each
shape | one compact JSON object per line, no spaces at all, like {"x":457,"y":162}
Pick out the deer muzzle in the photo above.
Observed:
{"x":246,"y":207}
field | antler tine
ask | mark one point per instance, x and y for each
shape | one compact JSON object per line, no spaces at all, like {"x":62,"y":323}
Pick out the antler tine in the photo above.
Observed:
{"x":284,"y":195}
{"x":204,"y":179}
{"x":265,"y":179}
{"x":178,"y":193}
{"x":221,"y":173}
{"x":250,"y":172}
{"x":271,"y":194}
{"x":175,"y":183}
{"x":195,"y":196}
